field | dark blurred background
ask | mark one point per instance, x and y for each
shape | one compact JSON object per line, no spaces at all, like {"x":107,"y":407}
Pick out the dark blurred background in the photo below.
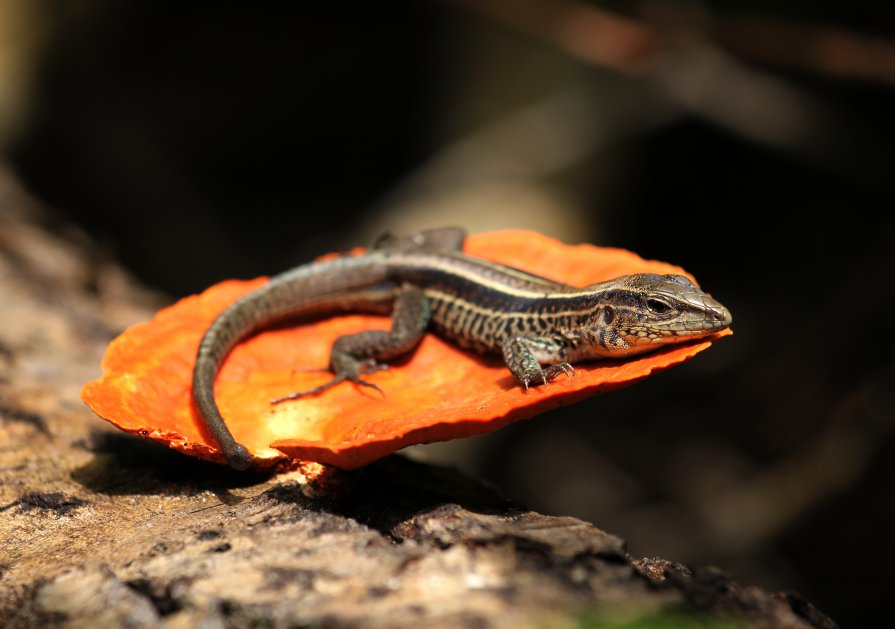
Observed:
{"x":751,"y":143}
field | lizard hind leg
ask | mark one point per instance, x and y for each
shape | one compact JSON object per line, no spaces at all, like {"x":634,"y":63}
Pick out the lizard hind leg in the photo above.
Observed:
{"x":356,"y":355}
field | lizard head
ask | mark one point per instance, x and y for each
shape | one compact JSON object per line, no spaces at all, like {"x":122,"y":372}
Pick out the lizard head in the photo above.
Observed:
{"x":643,"y":312}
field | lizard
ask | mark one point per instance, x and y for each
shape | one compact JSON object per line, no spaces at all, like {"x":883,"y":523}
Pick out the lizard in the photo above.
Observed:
{"x":539,"y":326}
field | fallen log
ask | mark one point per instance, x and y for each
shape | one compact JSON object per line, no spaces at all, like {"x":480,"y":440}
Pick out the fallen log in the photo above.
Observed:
{"x":100,"y":528}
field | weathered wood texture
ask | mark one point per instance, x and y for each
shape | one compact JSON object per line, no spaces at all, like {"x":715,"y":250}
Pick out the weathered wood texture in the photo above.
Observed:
{"x":98,"y":528}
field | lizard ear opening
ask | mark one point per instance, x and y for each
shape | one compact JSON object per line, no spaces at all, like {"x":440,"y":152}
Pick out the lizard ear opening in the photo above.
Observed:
{"x":608,"y":315}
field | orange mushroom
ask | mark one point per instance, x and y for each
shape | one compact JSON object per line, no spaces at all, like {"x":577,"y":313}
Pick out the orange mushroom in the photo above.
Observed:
{"x":439,"y":393}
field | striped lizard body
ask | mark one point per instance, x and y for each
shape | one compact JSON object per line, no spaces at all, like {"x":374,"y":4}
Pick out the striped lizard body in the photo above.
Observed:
{"x":539,"y":326}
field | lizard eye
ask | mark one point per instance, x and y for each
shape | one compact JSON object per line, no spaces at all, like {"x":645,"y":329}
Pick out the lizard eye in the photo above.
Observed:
{"x":657,"y":307}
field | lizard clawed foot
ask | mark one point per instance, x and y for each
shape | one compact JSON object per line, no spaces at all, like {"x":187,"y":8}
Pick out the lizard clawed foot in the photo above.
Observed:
{"x":364,"y":368}
{"x":554,"y":370}
{"x":545,"y":375}
{"x":315,"y":391}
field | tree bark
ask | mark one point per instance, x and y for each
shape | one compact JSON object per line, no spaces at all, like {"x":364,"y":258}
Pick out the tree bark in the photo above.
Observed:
{"x":100,"y":528}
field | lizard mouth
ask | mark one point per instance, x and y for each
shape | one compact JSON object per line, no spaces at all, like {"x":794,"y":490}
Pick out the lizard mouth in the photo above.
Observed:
{"x":715,"y":319}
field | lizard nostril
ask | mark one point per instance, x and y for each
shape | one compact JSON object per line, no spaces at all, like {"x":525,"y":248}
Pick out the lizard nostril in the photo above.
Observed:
{"x":721,"y":315}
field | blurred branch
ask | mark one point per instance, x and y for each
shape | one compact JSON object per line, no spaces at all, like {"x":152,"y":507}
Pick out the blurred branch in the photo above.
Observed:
{"x":822,"y":50}
{"x":676,"y":69}
{"x":585,"y":32}
{"x":689,"y":57}
{"x":630,"y":46}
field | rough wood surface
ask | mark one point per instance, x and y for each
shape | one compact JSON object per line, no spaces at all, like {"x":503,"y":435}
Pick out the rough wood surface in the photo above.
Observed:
{"x":98,"y":528}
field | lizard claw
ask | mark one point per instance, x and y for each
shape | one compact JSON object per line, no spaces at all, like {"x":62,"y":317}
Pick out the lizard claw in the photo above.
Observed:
{"x":545,"y":375}
{"x":534,"y":378}
{"x":364,"y":383}
{"x":554,"y":370}
{"x":339,"y":377}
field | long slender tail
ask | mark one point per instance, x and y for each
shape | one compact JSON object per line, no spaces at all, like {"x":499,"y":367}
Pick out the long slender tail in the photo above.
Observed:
{"x":338,"y":284}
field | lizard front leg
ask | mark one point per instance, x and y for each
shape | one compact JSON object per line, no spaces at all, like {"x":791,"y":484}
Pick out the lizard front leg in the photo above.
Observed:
{"x":354,"y":355}
{"x":524,"y":356}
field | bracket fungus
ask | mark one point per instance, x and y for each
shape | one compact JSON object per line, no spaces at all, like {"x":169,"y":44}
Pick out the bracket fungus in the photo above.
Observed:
{"x":439,"y":392}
